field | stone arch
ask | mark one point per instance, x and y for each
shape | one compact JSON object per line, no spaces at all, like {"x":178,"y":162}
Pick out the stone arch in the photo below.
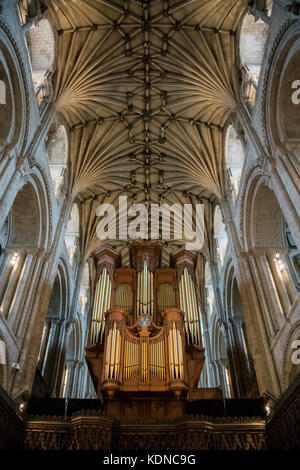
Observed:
{"x":6,"y":106}
{"x":220,"y":236}
{"x":14,"y":103}
{"x":74,"y":352}
{"x":25,"y":218}
{"x":48,"y":378}
{"x":281,"y":102}
{"x":218,"y":352}
{"x":25,"y":231}
{"x":58,"y":150}
{"x":267,"y":229}
{"x":291,"y":364}
{"x":30,"y":214}
{"x":244,"y":382}
{"x":42,"y":50}
{"x":220,"y":357}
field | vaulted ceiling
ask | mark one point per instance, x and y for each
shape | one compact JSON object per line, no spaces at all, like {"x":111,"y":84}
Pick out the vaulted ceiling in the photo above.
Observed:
{"x":146,"y":87}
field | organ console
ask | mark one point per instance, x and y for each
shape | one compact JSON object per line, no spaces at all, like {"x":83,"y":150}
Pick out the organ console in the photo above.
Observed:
{"x":145,"y":335}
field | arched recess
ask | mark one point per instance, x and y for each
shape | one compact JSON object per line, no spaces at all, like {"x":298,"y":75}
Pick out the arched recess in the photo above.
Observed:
{"x":234,"y":159}
{"x":291,"y":360}
{"x":26,"y":231}
{"x":58,"y":150}
{"x":41,"y":46}
{"x":269,"y":233}
{"x":72,"y":235}
{"x":252,"y":39}
{"x":272,"y":263}
{"x":14,"y":100}
{"x":220,"y":237}
{"x":49,"y":371}
{"x":220,"y":358}
{"x":72,"y":376}
{"x":282,"y":100}
{"x":6,"y":106}
{"x":244,"y":382}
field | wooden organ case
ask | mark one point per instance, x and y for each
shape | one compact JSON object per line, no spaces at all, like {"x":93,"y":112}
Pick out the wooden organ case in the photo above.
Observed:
{"x":145,"y":351}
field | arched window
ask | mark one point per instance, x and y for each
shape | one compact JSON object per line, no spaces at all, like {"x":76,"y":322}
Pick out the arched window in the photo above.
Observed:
{"x":253,"y":37}
{"x":6,"y":106}
{"x":243,"y":377}
{"x":57,"y":147}
{"x":270,"y":234}
{"x":234,"y":157}
{"x":84,"y":290}
{"x":220,"y":237}
{"x":28,"y":10}
{"x":220,"y":359}
{"x":50,"y":359}
{"x":269,"y":7}
{"x":41,"y":46}
{"x":210,"y":298}
{"x":72,"y":234}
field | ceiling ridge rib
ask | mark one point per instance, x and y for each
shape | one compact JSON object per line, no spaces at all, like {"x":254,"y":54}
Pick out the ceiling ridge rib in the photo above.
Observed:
{"x":146,"y":79}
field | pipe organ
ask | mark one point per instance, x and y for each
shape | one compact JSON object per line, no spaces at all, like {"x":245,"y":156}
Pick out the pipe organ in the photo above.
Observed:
{"x":145,"y":329}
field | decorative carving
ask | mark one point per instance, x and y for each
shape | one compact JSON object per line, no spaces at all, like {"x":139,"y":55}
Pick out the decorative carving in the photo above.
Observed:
{"x":145,"y":251}
{"x":107,"y":258}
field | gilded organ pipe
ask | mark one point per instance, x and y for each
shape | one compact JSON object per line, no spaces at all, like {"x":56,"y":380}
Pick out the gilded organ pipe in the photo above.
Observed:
{"x":101,"y":305}
{"x":188,"y":305}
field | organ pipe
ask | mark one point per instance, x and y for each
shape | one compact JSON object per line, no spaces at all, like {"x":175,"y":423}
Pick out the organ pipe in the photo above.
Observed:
{"x":175,"y":353}
{"x":112,"y":357}
{"x":124,"y":297}
{"x":101,"y":305}
{"x":165,"y":297}
{"x":188,"y":305}
{"x":145,"y":297}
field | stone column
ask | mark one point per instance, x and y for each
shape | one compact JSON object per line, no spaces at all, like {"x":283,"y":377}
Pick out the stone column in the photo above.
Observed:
{"x":17,"y":181}
{"x":260,"y":346}
{"x":290,"y":210}
{"x":19,"y":292}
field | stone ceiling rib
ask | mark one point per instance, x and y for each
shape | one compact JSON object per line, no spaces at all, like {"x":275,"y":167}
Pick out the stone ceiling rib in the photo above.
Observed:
{"x":146,"y":88}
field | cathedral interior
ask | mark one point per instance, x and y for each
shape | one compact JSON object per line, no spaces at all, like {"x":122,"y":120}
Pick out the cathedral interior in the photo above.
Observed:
{"x":115,"y":342}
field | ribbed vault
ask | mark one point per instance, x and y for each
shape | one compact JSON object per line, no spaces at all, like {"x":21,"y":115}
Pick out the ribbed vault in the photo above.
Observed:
{"x":146,"y":87}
